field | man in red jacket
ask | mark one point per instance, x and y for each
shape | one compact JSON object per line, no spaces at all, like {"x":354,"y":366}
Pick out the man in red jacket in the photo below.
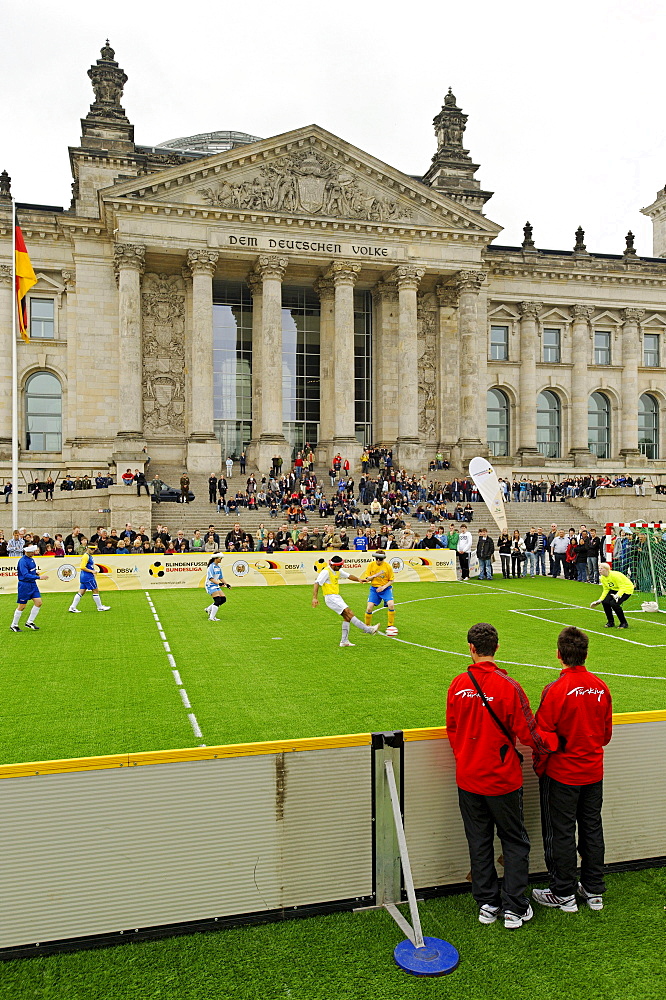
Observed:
{"x":577,"y":707}
{"x":486,"y":711}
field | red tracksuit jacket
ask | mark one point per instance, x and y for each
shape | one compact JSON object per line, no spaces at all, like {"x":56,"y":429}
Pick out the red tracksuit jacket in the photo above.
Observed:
{"x":485,"y":762}
{"x":577,"y":706}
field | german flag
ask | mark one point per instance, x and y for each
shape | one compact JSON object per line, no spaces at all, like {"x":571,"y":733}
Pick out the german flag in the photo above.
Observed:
{"x":25,"y":279}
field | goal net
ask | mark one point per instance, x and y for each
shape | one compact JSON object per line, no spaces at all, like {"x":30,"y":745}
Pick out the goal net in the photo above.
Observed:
{"x":639,"y":551}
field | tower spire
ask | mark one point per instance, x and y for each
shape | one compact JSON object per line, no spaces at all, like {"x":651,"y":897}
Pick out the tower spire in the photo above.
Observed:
{"x":106,"y":126}
{"x":452,"y":171}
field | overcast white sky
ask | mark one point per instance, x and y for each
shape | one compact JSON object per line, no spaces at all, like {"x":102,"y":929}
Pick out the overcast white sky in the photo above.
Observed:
{"x":565,"y":101}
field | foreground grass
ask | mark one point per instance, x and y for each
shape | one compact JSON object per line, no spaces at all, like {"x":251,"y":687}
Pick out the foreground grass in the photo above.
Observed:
{"x":617,"y":954}
{"x":101,"y":683}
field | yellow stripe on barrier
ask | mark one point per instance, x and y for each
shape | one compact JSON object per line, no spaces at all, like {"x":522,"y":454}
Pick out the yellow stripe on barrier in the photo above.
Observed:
{"x":628,"y":718}
{"x":179,"y":756}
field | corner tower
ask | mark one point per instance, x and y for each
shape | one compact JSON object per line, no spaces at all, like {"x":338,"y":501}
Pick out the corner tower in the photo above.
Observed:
{"x":452,"y":171}
{"x":657,"y":212}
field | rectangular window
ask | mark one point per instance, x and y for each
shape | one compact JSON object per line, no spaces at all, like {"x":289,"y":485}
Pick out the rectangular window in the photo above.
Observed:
{"x":42,"y":319}
{"x":499,"y":343}
{"x":602,"y":347}
{"x":551,"y":346}
{"x":651,"y":350}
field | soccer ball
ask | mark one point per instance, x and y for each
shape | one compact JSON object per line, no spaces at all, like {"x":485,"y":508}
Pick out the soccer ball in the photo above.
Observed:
{"x":157,"y":569}
{"x":391,"y":630}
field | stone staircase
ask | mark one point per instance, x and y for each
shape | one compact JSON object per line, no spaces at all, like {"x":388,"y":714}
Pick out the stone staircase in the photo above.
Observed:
{"x":200,"y":513}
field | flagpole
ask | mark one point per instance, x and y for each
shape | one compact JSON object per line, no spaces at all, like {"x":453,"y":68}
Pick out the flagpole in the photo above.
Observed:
{"x":15,"y":440}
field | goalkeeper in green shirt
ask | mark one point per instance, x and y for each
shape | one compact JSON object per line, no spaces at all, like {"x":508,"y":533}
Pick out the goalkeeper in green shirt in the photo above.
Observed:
{"x":616,"y":588}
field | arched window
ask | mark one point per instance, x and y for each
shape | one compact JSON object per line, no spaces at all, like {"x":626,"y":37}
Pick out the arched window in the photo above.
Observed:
{"x":497,"y":408}
{"x":648,"y":426}
{"x":598,"y":425}
{"x":548,"y":424}
{"x":43,"y":410}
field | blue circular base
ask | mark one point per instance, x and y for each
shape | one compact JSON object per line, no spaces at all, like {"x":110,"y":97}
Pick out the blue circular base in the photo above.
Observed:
{"x":438,"y":958}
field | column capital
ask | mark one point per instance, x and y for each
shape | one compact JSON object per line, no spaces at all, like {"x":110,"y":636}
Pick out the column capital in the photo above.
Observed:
{"x":388,"y":289}
{"x":342,"y":272}
{"x":469,"y":281}
{"x":632,"y":315}
{"x":129,"y":256}
{"x":447,"y":295}
{"x":581,"y":312}
{"x":6,"y":273}
{"x":254,"y":283}
{"x":408,"y":276}
{"x":529,"y":310}
{"x":270,"y":266}
{"x":202,"y":261}
{"x":324,"y":287}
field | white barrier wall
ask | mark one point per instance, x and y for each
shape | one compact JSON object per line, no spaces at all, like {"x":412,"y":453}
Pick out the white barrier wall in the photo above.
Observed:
{"x":105,"y":845}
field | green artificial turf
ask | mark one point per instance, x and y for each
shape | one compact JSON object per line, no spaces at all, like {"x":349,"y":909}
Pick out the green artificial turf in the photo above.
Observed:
{"x":272,"y":668}
{"x":616,"y":954}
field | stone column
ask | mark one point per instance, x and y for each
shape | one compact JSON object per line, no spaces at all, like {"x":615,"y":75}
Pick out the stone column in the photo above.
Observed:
{"x":129,"y":263}
{"x":473,"y":343}
{"x":269,"y":270}
{"x":529,"y":339}
{"x":203,"y":449}
{"x":256,"y":285}
{"x":578,"y":429}
{"x":6,"y":306}
{"x":385,"y":363}
{"x":630,"y":351}
{"x":325,"y":289}
{"x":409,"y":446}
{"x":343,"y":274}
{"x":449,"y":373}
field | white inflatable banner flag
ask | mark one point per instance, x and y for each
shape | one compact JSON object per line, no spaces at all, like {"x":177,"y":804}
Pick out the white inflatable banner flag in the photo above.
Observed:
{"x":485,"y":479}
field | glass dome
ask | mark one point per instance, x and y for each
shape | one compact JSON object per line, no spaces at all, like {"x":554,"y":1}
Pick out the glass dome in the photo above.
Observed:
{"x":209,"y":142}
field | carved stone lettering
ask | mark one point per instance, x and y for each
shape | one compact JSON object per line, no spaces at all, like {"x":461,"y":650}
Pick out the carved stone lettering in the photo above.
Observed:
{"x":163,"y":308}
{"x":306,"y":183}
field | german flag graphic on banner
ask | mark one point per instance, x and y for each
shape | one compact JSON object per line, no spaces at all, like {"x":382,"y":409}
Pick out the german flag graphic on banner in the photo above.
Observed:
{"x":25,"y":279}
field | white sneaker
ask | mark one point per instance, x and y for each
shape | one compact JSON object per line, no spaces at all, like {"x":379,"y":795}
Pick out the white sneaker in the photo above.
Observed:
{"x":545,"y":897}
{"x":488,"y":914}
{"x":75,"y":611}
{"x":513,"y":921}
{"x":104,"y":607}
{"x":374,"y":629}
{"x":346,"y":642}
{"x":595,"y":902}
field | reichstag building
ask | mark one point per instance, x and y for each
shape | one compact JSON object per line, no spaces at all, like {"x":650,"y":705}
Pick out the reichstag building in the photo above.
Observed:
{"x":224,"y":291}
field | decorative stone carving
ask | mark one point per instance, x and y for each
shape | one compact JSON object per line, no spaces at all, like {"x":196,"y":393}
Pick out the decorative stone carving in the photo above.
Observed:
{"x":5,"y":185}
{"x":108,"y":81}
{"x":202,"y":261}
{"x":306,"y":183}
{"x":427,"y":365}
{"x":388,"y":290}
{"x":528,"y":242}
{"x":408,"y":276}
{"x":633,"y":315}
{"x":470,"y":281}
{"x":343,"y":272}
{"x":450,"y":123}
{"x":163,"y":311}
{"x":324,"y":287}
{"x":581,"y":312}
{"x":447,"y":295}
{"x":580,"y":249}
{"x":529,"y":310}
{"x":630,"y":249}
{"x":271,"y":266}
{"x":6,"y":273}
{"x":129,"y":255}
{"x":69,"y":279}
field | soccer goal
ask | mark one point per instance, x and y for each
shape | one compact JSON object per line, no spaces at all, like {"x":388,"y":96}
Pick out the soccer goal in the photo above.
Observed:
{"x":639,"y":551}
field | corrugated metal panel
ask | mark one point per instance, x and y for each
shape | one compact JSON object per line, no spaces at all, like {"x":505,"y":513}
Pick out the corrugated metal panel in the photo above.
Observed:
{"x":92,"y":852}
{"x":634,"y":804}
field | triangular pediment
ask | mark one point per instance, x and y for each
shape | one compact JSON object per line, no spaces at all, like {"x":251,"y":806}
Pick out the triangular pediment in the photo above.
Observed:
{"x":308,"y":173}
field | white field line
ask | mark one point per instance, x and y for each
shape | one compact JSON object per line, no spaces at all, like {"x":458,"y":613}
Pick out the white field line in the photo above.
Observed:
{"x":176,"y":674}
{"x":608,"y":635}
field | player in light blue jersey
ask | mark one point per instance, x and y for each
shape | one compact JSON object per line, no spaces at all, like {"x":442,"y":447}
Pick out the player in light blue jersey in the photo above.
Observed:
{"x":87,"y":581}
{"x":213,"y":585}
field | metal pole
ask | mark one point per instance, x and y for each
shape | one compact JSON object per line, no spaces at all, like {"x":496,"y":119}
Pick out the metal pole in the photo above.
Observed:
{"x":654,"y":578}
{"x":15,"y":442}
{"x":404,"y":857}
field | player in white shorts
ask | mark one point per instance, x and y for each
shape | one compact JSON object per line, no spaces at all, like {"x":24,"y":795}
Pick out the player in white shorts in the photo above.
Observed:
{"x":329,"y":581}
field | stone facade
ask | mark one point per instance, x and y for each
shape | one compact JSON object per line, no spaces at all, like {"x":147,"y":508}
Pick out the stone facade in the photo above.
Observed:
{"x":132,"y":265}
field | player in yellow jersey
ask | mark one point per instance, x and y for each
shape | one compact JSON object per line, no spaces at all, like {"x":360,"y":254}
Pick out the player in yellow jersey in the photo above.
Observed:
{"x":379,"y":574}
{"x":87,"y":581}
{"x":329,"y":582}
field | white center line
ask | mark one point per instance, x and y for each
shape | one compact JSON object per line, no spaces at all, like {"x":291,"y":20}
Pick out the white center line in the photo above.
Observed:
{"x":176,"y":674}
{"x":183,"y":695}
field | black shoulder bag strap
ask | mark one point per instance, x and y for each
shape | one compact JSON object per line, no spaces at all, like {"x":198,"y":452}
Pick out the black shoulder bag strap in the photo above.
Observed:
{"x":497,"y":720}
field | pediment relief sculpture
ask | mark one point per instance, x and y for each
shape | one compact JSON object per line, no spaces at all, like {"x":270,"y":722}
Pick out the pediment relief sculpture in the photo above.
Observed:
{"x":306,"y":184}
